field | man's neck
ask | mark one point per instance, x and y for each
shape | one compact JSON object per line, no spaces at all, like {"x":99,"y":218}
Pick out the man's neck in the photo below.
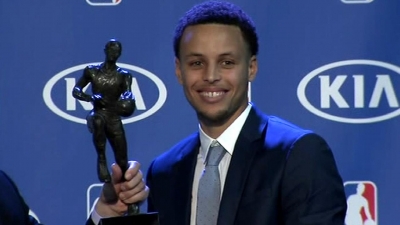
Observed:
{"x":213,"y":131}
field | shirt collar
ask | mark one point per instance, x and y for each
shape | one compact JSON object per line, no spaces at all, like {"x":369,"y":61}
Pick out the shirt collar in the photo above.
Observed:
{"x":225,"y":139}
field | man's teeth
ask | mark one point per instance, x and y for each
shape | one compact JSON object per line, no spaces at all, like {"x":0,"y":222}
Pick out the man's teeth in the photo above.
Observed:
{"x":212,"y":94}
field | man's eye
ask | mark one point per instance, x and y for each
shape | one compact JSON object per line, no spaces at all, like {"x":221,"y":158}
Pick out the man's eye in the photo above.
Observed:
{"x":196,"y":63}
{"x":228,"y":63}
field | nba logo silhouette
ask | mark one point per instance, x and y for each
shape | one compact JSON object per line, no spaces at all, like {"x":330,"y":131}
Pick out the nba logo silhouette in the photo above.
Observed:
{"x":361,"y":203}
{"x":92,"y":196}
{"x":103,"y":2}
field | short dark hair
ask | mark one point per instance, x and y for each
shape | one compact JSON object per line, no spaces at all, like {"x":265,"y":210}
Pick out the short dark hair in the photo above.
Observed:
{"x":218,"y":12}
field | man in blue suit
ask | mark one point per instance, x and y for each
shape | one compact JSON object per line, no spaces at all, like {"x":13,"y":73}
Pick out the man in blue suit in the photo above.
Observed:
{"x":272,"y":172}
{"x":14,"y":210}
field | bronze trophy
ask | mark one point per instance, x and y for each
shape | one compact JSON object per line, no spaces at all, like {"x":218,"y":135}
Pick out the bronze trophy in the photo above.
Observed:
{"x":112,"y":98}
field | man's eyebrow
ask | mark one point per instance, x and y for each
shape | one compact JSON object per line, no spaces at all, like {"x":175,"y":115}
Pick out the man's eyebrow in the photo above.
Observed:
{"x":196,"y":54}
{"x":192,"y":54}
{"x":227,"y":54}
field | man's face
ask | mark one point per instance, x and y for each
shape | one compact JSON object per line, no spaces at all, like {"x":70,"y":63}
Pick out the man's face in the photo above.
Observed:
{"x":214,"y":68}
{"x":113,"y":52}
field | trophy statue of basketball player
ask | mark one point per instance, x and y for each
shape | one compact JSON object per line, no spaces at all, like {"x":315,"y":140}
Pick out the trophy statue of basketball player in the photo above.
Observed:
{"x":112,"y":99}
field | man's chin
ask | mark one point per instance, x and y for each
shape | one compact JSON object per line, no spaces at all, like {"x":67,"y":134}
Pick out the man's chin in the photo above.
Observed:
{"x":213,"y":118}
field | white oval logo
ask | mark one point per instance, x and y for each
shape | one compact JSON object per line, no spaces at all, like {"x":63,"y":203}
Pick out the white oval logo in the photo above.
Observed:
{"x":382,"y":86}
{"x":103,"y":3}
{"x":162,"y":96}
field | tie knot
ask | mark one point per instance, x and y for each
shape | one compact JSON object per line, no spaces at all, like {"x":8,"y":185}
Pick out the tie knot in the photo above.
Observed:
{"x":215,"y":154}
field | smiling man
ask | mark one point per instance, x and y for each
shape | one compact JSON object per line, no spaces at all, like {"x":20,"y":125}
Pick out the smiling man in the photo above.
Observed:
{"x":242,"y":166}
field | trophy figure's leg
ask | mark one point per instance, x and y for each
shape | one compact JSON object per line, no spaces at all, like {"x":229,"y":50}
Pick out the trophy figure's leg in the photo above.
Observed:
{"x":119,"y":146}
{"x":99,"y":140}
{"x":102,"y":170}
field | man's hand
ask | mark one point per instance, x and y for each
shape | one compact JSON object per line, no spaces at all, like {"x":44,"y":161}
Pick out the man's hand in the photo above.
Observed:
{"x":118,"y":194}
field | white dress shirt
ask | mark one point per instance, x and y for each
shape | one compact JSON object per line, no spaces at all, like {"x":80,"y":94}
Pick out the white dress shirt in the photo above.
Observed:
{"x":228,"y":140}
{"x":95,"y":217}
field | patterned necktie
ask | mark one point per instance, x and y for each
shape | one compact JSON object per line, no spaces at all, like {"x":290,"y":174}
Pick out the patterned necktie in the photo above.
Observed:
{"x":209,"y":192}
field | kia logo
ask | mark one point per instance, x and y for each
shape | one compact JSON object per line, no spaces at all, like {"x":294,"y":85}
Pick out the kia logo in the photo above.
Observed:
{"x":347,"y":87}
{"x":65,"y":81}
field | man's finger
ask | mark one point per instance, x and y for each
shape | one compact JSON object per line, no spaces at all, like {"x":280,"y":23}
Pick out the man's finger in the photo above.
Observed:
{"x":109,"y":195}
{"x":141,"y":193}
{"x":132,"y":191}
{"x":133,"y":169}
{"x":116,"y":173}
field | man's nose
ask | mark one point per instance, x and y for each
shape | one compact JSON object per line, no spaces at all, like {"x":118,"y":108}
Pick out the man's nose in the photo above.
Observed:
{"x":212,"y":74}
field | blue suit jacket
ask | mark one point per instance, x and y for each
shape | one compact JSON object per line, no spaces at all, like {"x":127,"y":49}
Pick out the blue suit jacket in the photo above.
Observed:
{"x":278,"y":174}
{"x":13,"y":209}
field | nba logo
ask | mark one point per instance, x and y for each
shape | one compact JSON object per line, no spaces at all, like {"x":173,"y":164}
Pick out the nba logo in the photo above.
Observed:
{"x":103,"y":2}
{"x":361,"y":203}
{"x":92,"y":196}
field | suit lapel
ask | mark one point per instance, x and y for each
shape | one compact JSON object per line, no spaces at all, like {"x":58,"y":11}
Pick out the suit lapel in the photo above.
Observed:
{"x":183,"y":173}
{"x":245,"y":149}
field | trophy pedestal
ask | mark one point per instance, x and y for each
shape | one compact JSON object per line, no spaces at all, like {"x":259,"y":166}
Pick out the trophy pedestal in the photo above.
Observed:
{"x":139,"y":219}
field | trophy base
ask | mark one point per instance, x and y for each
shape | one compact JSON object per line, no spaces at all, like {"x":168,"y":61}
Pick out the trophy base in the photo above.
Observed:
{"x":140,"y":219}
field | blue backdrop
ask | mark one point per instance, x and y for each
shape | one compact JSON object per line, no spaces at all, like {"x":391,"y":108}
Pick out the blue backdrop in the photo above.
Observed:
{"x":330,"y":66}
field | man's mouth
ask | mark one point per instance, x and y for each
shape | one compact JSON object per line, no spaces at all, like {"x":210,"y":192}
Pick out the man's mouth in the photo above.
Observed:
{"x":212,"y":94}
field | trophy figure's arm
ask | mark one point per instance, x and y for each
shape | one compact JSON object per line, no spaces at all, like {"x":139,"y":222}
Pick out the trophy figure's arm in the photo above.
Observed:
{"x":127,"y":94}
{"x":84,"y":80}
{"x":127,"y":103}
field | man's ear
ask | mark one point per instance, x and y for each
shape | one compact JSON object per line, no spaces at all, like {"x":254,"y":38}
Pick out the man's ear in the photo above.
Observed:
{"x":178,"y":71}
{"x":253,"y":68}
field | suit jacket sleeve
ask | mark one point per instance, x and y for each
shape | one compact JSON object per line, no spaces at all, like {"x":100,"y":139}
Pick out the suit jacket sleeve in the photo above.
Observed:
{"x":312,"y":189}
{"x":150,"y":205}
{"x":17,"y":200}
